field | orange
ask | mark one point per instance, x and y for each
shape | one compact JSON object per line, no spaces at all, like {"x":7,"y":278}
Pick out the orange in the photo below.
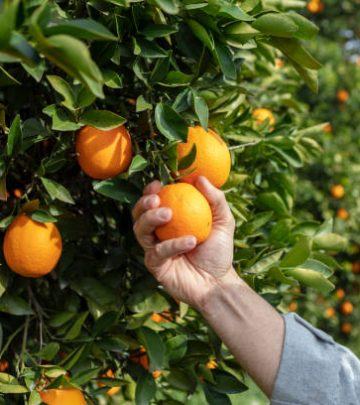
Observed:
{"x":191,"y":213}
{"x":330,"y":312}
{"x":347,"y":308}
{"x":315,"y":6}
{"x":340,"y":293}
{"x":211,"y":364}
{"x":165,"y":316}
{"x":328,"y":128}
{"x":342,"y":96}
{"x":113,"y":390}
{"x":17,"y":193}
{"x":4,"y":365}
{"x":140,"y":357}
{"x":156,"y":374}
{"x":103,"y":154}
{"x":346,"y":327}
{"x":355,"y":267}
{"x":263,"y":114}
{"x":342,"y":213}
{"x":337,"y":191}
{"x":212,"y":156}
{"x":293,"y":306}
{"x":31,"y":248}
{"x":279,"y":63}
{"x":62,"y":396}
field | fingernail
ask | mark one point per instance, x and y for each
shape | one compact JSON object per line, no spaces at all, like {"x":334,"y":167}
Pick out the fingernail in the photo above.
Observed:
{"x":191,"y":242}
{"x":164,"y":213}
{"x":148,"y":201}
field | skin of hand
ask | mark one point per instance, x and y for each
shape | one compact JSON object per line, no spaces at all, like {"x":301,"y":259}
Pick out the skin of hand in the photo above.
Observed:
{"x":203,"y":277}
{"x":188,"y":272}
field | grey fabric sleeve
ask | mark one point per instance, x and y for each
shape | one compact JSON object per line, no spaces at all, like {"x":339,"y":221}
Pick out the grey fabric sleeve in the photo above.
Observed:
{"x":314,"y":370}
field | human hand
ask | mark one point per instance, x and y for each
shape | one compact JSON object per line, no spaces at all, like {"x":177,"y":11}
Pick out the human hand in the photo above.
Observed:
{"x":189,"y":272}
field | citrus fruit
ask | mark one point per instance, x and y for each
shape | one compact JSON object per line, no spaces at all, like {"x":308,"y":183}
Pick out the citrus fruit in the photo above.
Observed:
{"x":212,"y":158}
{"x":113,"y":390}
{"x":293,"y":306}
{"x":337,"y":191}
{"x":330,"y":312}
{"x":315,"y":6}
{"x":340,"y":293}
{"x":342,"y":213}
{"x":211,"y":364}
{"x":342,"y":96}
{"x":62,"y":396}
{"x":31,"y":248}
{"x":103,"y":154}
{"x":156,"y":374}
{"x":165,"y":316}
{"x":140,"y":357}
{"x":328,"y":128}
{"x":347,"y":308}
{"x":191,"y":213}
{"x":4,"y":365}
{"x":346,"y":328}
{"x":355,"y":267}
{"x":262,"y":114}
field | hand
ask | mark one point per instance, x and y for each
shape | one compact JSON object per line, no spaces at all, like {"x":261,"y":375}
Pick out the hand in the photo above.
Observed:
{"x":188,"y":272}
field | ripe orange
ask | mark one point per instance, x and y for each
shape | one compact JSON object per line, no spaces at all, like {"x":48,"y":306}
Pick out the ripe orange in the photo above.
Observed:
{"x":342,"y":213}
{"x":346,"y":328}
{"x":103,"y":154}
{"x":315,"y":6}
{"x":355,"y":267}
{"x":262,"y":114}
{"x":340,"y":293}
{"x":165,"y":316}
{"x":212,"y":156}
{"x":346,"y":308}
{"x":337,"y":191}
{"x":191,"y":213}
{"x":17,"y":193}
{"x":4,"y":365}
{"x":330,"y":312}
{"x":62,"y":396}
{"x":140,"y":357}
{"x":293,"y":306}
{"x":156,"y":374}
{"x":328,"y":128}
{"x":31,"y":248}
{"x":342,"y":96}
{"x":211,"y":364}
{"x":113,"y":390}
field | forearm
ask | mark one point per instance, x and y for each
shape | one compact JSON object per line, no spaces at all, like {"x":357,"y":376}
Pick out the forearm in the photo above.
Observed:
{"x":250,"y":327}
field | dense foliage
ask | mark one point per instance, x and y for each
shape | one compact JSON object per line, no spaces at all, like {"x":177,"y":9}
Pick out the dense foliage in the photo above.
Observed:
{"x":159,"y":66}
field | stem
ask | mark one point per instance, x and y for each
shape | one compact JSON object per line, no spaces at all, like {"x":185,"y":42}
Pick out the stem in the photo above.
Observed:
{"x":11,"y":338}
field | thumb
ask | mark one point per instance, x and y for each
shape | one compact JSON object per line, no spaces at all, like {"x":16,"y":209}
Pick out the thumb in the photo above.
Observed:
{"x":216,"y":198}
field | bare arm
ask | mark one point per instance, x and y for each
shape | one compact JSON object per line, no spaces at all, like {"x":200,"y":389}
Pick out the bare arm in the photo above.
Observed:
{"x":203,"y":276}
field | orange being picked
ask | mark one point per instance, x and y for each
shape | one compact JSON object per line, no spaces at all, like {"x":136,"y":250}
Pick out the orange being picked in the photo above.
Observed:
{"x":263,"y":114}
{"x":342,"y":96}
{"x":103,"y":154}
{"x":113,"y":390}
{"x":31,"y":248}
{"x":62,"y":396}
{"x":337,"y":191}
{"x":212,"y":156}
{"x":191,"y":213}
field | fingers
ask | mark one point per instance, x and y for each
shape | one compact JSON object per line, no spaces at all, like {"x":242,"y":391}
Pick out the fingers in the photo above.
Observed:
{"x":149,"y":201}
{"x":147,"y":223}
{"x":169,"y":249}
{"x":216,"y":198}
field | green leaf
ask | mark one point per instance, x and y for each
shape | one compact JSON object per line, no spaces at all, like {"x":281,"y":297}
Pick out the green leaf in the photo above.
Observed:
{"x":201,"y":110}
{"x":4,"y":280}
{"x":202,"y":34}
{"x":57,"y":191}
{"x":155,"y":348}
{"x":14,"y":305}
{"x":15,"y":135}
{"x":10,"y":385}
{"x":309,"y":76}
{"x":150,"y":49}
{"x":215,"y":398}
{"x":276,"y":24}
{"x":81,"y":28}
{"x":187,"y":160}
{"x":142,"y":104}
{"x":306,"y":28}
{"x":41,"y":216}
{"x":158,"y":31}
{"x":8,"y":13}
{"x":62,"y":87}
{"x":145,"y":389}
{"x":311,"y":278}
{"x":298,"y":254}
{"x":169,"y":6}
{"x":75,"y":329}
{"x":176,"y":348}
{"x":276,"y":274}
{"x":226,"y":383}
{"x":170,"y":123}
{"x":85,"y":376}
{"x":272,"y":201}
{"x":146,"y":302}
{"x":240,"y":32}
{"x":102,"y":119}
{"x":61,"y":119}
{"x":330,"y":241}
{"x":49,"y":351}
{"x":138,"y":164}
{"x":118,"y":190}
{"x":225,"y":60}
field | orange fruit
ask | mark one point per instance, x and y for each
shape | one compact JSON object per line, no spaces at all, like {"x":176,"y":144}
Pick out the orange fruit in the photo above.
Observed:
{"x":156,"y":374}
{"x":337,"y":191}
{"x":328,"y":128}
{"x":140,"y":357}
{"x":17,"y":193}
{"x":315,"y":6}
{"x":212,"y":158}
{"x":165,"y":316}
{"x":211,"y":364}
{"x":191,"y":213}
{"x":330,"y":312}
{"x":346,"y":308}
{"x":293,"y":306}
{"x":355,"y":267}
{"x":31,"y":248}
{"x":340,"y":293}
{"x":4,"y":365}
{"x":262,"y":114}
{"x":62,"y":396}
{"x":103,"y":154}
{"x":113,"y":390}
{"x":346,"y":328}
{"x":342,"y":96}
{"x":342,"y":213}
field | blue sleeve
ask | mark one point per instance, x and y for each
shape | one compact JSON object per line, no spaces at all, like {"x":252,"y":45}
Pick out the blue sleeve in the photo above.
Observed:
{"x":314,"y":370}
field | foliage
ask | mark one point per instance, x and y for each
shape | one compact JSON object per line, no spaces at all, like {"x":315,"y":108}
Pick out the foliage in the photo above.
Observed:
{"x":161,"y":66}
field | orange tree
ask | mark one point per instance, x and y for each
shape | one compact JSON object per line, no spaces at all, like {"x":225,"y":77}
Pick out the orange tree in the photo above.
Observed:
{"x":99,"y":320}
